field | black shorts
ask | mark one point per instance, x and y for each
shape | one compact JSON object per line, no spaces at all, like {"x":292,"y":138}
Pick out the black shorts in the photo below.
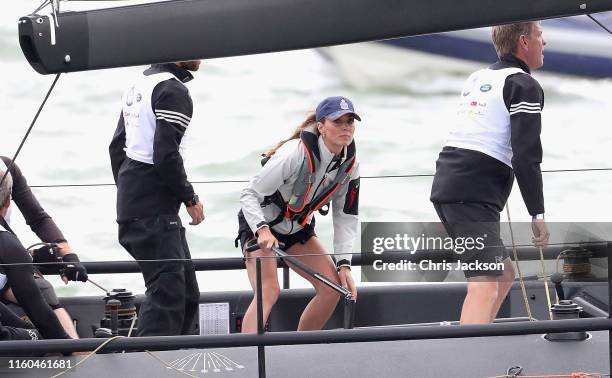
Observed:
{"x":474,"y":220}
{"x":245,"y":234}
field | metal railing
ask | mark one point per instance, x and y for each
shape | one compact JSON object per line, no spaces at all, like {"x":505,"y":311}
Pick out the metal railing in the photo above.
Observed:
{"x":261,"y":339}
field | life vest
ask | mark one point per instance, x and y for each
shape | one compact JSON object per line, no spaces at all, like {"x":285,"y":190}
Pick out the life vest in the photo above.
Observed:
{"x":298,"y":208}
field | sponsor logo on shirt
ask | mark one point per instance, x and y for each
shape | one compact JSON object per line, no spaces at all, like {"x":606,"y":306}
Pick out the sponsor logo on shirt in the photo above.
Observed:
{"x":129,"y":99}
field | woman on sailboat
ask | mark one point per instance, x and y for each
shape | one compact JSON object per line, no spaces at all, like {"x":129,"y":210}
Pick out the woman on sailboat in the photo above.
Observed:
{"x":316,"y":166}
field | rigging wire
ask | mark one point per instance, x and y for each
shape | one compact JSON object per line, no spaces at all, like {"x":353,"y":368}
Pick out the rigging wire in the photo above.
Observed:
{"x":363,"y":177}
{"x":306,"y":254}
{"x":41,"y":6}
{"x":599,"y":23}
{"x":25,"y":137}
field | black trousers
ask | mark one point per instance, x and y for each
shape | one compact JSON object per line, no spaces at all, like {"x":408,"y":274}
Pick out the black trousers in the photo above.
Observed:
{"x":475,"y":220}
{"x":14,"y":328}
{"x":172,"y":295}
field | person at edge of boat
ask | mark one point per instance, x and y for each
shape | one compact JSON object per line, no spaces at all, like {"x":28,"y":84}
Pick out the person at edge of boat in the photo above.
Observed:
{"x":496,"y":137}
{"x":315,"y":166}
{"x":17,"y":273}
{"x":148,"y":169}
{"x":44,"y":227}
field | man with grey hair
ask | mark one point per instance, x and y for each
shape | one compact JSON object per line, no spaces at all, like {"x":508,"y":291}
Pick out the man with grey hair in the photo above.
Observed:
{"x":6,"y":186}
{"x":16,"y":272}
{"x":497,"y":137}
{"x":43,"y":225}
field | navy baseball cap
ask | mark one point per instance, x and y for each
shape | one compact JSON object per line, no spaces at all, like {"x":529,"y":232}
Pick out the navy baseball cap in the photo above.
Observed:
{"x":335,"y":107}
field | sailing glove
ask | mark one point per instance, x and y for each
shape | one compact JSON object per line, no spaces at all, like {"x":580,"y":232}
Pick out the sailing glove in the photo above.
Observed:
{"x":47,"y":258}
{"x":73,"y":269}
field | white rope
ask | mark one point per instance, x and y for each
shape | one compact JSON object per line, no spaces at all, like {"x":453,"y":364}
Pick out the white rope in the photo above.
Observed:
{"x":89,"y":355}
{"x":518,"y":267}
{"x":546,"y":284}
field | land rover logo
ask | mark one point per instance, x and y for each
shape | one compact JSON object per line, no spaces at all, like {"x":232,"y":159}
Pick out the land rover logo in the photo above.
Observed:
{"x":208,"y":362}
{"x":485,"y":87}
{"x":129,"y":100}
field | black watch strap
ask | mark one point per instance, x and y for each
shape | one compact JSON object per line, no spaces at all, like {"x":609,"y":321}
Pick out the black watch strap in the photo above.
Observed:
{"x":192,"y":201}
{"x":343,"y":262}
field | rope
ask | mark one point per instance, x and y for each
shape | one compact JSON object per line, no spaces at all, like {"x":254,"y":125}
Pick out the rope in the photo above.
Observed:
{"x":546,"y":284}
{"x":132,"y":326}
{"x":25,"y":137}
{"x":558,"y":257}
{"x":516,"y":371}
{"x":41,"y":6}
{"x":571,"y":375}
{"x":518,"y":267}
{"x":239,"y":181}
{"x":89,"y":355}
{"x":580,"y":268}
{"x":168,"y":366}
{"x":108,"y":341}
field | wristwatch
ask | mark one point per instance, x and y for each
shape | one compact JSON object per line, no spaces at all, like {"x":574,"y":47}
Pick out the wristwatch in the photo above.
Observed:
{"x":341,"y":263}
{"x":192,"y":201}
{"x":538,"y":216}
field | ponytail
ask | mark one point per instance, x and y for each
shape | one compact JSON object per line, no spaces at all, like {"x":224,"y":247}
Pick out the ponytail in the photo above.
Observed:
{"x":309,"y":121}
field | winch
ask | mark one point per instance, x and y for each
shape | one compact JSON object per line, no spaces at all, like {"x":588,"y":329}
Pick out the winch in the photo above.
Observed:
{"x":119,"y":314}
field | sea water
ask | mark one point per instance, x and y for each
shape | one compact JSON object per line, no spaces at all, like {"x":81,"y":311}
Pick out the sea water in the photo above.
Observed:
{"x":244,"y":105}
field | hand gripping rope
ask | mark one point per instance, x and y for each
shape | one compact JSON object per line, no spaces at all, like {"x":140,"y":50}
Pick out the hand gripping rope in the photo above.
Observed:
{"x":521,"y":280}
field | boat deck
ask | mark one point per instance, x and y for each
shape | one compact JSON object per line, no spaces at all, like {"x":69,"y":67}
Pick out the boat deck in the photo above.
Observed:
{"x":469,"y":357}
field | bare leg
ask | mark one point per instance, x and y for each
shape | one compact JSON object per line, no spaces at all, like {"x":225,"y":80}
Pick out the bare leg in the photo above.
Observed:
{"x":504,"y":284}
{"x":320,"y":308}
{"x":480,"y":300}
{"x":66,"y":322}
{"x":269,"y":286}
{"x":9,"y":296}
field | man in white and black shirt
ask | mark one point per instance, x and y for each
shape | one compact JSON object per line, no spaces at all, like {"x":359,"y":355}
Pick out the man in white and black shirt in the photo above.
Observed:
{"x":151,"y":185}
{"x":497,"y":137}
